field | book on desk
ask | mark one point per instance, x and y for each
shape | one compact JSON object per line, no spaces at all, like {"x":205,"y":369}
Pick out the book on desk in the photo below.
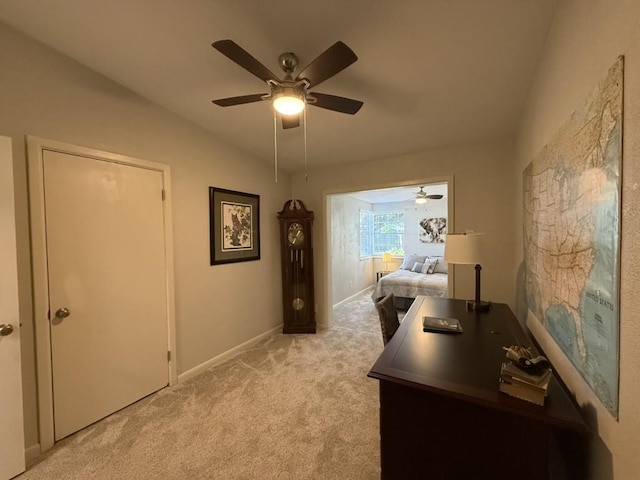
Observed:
{"x":529,"y":386}
{"x":441,"y":324}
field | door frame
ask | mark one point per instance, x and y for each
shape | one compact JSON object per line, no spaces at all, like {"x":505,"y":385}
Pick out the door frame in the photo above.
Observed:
{"x":35,"y":148}
{"x":12,"y":415}
{"x":328,"y":228}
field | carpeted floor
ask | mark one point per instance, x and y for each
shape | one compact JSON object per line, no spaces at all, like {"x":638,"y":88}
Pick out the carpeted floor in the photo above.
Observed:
{"x":291,"y":407}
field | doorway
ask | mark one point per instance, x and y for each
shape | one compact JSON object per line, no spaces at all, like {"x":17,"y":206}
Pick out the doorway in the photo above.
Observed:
{"x":342,"y":221}
{"x":103,"y":287}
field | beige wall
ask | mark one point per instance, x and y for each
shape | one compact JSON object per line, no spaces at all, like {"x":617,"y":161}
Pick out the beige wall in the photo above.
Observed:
{"x":350,"y":275}
{"x":586,"y":38}
{"x":45,"y":94}
{"x":482,"y":203}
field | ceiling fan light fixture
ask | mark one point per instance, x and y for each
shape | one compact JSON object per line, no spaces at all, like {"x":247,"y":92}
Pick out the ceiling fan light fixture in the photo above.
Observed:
{"x":421,"y":197}
{"x":288,"y":102}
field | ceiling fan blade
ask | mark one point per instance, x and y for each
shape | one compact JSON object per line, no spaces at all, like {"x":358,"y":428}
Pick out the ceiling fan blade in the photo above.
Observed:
{"x":333,"y":60}
{"x":290,"y":121}
{"x":335,"y":103}
{"x":434,"y":196}
{"x":231,"y":101}
{"x":236,"y":53}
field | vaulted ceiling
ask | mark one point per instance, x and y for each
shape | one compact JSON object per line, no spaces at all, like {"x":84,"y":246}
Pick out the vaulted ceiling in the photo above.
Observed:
{"x":431,"y":73}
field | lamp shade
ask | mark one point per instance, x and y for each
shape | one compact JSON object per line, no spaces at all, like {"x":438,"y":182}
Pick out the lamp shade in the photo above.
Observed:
{"x":386,"y":257}
{"x":464,"y":248}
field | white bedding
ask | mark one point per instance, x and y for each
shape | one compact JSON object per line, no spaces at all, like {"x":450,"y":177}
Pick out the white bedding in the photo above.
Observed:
{"x":407,"y":284}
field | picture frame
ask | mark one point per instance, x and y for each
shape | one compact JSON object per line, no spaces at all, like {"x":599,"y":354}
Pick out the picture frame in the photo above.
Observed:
{"x":433,"y":230}
{"x":234,"y":226}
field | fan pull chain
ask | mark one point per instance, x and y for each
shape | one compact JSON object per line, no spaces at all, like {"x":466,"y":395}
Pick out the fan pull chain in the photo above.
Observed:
{"x":304,"y":115}
{"x":275,"y":144}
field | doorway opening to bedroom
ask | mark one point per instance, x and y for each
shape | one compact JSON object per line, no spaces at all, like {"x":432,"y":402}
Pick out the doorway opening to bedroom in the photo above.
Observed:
{"x":370,"y":231}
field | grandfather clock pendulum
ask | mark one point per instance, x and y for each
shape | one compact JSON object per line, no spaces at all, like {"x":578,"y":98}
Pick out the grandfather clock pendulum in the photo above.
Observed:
{"x":298,"y":302}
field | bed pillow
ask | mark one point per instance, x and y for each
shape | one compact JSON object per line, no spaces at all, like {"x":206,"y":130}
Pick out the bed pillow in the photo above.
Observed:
{"x":417,"y":267}
{"x":441,"y":266}
{"x":410,"y":261}
{"x":429,"y":265}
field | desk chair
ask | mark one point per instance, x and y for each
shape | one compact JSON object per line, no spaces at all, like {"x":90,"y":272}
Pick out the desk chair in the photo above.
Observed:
{"x":388,"y":314}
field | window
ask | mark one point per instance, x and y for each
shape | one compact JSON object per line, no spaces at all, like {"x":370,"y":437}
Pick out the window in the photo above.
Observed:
{"x":366,"y":234}
{"x":381,"y":232}
{"x":388,"y":232}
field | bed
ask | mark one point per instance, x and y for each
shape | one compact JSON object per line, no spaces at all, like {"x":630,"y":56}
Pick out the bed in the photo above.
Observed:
{"x":411,"y":280}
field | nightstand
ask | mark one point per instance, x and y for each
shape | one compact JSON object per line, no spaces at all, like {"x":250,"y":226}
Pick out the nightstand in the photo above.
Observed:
{"x":381,"y":274}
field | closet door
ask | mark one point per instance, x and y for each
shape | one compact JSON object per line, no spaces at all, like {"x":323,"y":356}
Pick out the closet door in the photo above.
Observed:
{"x":107,"y":286}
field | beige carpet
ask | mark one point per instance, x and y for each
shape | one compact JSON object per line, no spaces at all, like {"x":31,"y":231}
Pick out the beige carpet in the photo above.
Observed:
{"x":292,"y":407}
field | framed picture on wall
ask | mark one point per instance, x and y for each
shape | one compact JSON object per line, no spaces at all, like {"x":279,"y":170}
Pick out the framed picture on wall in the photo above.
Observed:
{"x":234,"y":226}
{"x":433,"y":230}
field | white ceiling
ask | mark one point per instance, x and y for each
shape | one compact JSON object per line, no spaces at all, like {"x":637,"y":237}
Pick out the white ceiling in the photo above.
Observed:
{"x":399,"y":194}
{"x":431,"y":73}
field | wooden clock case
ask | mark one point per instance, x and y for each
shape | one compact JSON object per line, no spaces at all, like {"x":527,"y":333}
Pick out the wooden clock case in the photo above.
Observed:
{"x":298,"y":301}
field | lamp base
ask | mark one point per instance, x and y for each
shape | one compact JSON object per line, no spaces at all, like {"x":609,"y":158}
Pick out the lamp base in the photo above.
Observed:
{"x":478,"y":306}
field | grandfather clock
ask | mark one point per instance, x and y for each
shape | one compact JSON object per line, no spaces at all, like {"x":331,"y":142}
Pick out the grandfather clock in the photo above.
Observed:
{"x":298,"y":302}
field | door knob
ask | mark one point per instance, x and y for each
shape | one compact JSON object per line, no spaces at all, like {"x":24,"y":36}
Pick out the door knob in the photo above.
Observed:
{"x":6,"y":329}
{"x":62,"y":312}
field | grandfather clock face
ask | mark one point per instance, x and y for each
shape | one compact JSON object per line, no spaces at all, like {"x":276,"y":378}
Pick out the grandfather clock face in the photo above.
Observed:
{"x":297,"y":269}
{"x":296,"y":237}
{"x":296,"y":234}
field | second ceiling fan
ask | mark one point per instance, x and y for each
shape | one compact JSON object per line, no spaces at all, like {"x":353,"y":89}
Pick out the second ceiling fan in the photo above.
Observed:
{"x":293,"y":90}
{"x":422,"y":196}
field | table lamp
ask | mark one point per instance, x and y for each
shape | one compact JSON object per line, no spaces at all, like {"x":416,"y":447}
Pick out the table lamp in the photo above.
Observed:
{"x":386,"y":258}
{"x":465,"y":249}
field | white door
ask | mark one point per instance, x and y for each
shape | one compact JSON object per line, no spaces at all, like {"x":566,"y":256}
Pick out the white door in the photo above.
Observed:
{"x":12,"y":431}
{"x":107,"y":286}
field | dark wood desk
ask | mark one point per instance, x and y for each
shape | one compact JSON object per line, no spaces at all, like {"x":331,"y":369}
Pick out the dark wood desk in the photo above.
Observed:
{"x":441,"y":414}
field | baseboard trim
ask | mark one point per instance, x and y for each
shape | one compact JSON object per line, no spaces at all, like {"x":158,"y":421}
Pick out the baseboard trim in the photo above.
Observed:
{"x":352,"y":296}
{"x":223,"y":357}
{"x":31,"y":453}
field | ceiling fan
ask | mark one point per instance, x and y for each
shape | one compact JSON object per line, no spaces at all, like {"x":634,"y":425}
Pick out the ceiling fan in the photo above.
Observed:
{"x":290,"y":95}
{"x":422,"y":196}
